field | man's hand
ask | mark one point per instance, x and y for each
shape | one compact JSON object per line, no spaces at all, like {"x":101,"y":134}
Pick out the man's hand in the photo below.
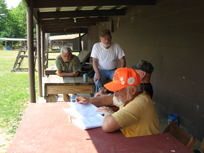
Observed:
{"x":64,"y":74}
{"x":100,"y":94}
{"x":76,"y":73}
{"x":82,"y":100}
{"x":104,"y":109}
{"x":58,"y":73}
{"x":98,"y":77}
{"x":102,"y":89}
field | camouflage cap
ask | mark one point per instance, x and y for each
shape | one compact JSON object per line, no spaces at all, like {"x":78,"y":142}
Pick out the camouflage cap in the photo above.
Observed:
{"x":144,"y":66}
{"x":105,"y":32}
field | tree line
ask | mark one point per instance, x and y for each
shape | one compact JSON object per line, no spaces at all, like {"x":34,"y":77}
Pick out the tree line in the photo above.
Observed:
{"x":13,"y":22}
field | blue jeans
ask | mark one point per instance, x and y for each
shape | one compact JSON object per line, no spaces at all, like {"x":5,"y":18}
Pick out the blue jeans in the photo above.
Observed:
{"x":105,"y":74}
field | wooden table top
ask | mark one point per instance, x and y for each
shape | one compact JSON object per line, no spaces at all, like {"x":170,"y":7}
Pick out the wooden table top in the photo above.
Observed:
{"x":57,"y":80}
{"x":45,"y":128}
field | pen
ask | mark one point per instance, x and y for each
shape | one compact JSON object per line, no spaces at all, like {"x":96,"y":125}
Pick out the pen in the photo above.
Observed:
{"x":69,"y":118}
{"x":78,"y":99}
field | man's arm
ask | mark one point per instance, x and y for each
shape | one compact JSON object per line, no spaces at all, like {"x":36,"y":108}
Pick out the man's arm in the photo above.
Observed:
{"x":110,"y":124}
{"x":62,"y":74}
{"x":106,"y":100}
{"x":123,"y":61}
{"x":95,"y":67}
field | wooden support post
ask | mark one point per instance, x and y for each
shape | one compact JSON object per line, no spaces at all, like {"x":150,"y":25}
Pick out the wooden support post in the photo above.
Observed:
{"x":47,"y":48}
{"x":39,"y":60}
{"x":80,"y":39}
{"x":31,"y":65}
{"x":42,"y":52}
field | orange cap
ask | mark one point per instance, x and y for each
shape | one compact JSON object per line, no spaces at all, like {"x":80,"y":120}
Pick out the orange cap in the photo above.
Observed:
{"x":122,"y":78}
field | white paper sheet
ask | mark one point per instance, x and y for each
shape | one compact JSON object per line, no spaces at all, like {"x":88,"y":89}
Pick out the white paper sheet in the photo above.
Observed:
{"x":89,"y":122}
{"x":86,"y":115}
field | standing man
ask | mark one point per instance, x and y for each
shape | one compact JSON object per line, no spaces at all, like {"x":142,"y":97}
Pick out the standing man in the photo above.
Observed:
{"x":105,"y":55}
{"x":67,"y":65}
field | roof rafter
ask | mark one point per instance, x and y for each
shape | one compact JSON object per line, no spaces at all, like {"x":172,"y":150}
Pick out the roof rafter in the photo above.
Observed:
{"x":71,"y":21}
{"x":68,"y":3}
{"x":72,"y":30}
{"x":47,"y":15}
{"x":68,"y":26}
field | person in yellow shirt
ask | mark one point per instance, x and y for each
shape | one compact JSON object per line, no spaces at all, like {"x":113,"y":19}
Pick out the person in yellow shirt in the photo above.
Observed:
{"x":137,"y":115}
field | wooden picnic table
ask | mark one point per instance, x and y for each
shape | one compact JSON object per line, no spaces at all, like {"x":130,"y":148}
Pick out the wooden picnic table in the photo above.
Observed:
{"x":45,"y":128}
{"x":66,"y":85}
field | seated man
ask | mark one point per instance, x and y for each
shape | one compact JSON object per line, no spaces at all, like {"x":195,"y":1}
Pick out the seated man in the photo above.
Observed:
{"x":144,"y":69}
{"x":67,"y":65}
{"x":137,"y":115}
{"x":105,"y":55}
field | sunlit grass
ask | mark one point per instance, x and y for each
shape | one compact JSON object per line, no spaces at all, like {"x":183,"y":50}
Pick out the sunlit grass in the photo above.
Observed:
{"x":14,"y":93}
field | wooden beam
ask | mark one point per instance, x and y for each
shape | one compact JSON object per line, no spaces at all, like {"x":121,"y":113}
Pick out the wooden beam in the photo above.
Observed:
{"x":74,"y":30}
{"x":60,"y":29}
{"x":42,"y":51}
{"x":35,"y":15}
{"x":25,"y":2}
{"x":39,"y":60}
{"x":68,"y":3}
{"x":47,"y":15}
{"x":80,"y":49}
{"x":58,"y":9}
{"x":71,"y":21}
{"x":78,"y":8}
{"x":68,"y":26}
{"x":31,"y":65}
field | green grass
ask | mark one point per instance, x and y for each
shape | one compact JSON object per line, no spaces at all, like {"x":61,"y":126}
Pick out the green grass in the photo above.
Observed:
{"x":14,"y":93}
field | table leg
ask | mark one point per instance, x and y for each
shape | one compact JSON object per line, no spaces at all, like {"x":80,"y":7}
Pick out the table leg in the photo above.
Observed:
{"x":51,"y":98}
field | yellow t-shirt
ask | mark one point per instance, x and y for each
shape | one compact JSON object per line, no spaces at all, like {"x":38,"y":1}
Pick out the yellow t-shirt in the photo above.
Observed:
{"x":138,"y":117}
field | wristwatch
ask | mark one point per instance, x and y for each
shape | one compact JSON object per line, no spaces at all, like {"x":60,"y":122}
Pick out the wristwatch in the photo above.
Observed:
{"x":109,"y":113}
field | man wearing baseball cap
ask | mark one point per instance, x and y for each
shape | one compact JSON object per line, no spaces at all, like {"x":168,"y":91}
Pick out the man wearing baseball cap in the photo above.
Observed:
{"x":145,"y":69}
{"x":105,"y":55}
{"x":136,"y":115}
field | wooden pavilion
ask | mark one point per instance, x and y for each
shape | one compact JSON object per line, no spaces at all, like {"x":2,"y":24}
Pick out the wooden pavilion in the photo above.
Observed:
{"x":167,"y":33}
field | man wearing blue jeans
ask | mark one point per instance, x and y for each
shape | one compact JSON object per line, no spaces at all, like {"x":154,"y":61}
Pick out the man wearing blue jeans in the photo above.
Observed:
{"x":105,"y":55}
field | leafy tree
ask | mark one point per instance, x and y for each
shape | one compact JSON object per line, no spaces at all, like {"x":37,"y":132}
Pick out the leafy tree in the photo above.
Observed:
{"x":3,"y":16}
{"x":16,"y":21}
{"x":15,"y":24}
{"x":3,"y":13}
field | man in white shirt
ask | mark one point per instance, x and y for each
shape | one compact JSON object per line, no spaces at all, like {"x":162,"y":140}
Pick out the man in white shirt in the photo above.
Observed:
{"x":105,"y":55}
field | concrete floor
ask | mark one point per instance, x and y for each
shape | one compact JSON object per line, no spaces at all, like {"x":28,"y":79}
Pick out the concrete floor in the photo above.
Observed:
{"x":162,"y":120}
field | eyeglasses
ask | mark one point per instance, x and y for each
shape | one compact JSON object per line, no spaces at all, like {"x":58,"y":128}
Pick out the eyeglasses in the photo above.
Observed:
{"x":107,"y":38}
{"x":120,"y":92}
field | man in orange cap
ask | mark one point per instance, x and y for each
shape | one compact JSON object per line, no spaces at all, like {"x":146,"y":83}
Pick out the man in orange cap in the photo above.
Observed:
{"x":144,"y":69}
{"x":136,"y":115}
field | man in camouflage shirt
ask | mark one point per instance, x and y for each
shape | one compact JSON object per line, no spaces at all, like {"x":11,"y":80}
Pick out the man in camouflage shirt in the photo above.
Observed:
{"x":67,"y":65}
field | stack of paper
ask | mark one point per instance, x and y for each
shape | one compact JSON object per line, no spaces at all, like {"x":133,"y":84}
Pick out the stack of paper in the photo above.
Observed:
{"x":86,"y":115}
